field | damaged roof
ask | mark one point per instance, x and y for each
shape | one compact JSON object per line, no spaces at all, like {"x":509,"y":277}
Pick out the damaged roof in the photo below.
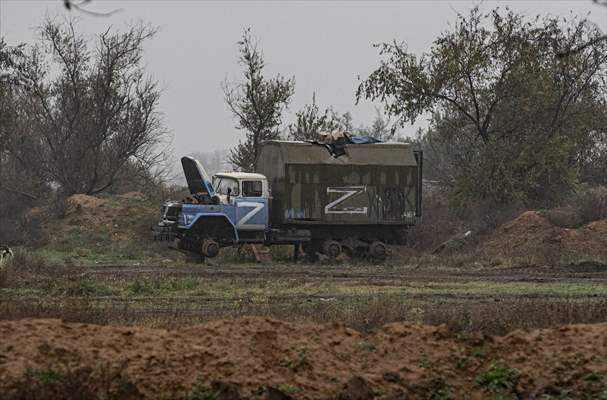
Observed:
{"x":293,"y":152}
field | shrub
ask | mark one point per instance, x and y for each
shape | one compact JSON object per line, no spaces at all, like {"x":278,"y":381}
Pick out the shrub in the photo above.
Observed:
{"x":439,"y":223}
{"x":498,"y":379}
{"x":592,"y":203}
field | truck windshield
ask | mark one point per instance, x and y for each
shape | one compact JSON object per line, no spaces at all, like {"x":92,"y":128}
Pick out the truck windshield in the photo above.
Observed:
{"x":227,"y":183}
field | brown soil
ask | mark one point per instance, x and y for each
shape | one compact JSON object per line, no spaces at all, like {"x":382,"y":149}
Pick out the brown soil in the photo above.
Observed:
{"x":99,"y":220}
{"x":305,"y":360}
{"x":533,"y":234}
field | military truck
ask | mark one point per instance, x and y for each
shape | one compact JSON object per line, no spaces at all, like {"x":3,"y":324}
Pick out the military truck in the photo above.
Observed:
{"x":303,"y":194}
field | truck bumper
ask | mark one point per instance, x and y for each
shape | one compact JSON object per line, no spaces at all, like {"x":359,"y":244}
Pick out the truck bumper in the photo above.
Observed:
{"x":164,"y":231}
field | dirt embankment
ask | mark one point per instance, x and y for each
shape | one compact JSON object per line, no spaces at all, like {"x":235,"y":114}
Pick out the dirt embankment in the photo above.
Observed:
{"x":124,"y":217}
{"x":243,"y":358}
{"x":102,"y":219}
{"x":85,"y":229}
{"x":533,"y":234}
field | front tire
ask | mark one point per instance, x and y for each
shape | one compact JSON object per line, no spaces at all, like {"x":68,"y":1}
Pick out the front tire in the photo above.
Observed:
{"x":210,"y":248}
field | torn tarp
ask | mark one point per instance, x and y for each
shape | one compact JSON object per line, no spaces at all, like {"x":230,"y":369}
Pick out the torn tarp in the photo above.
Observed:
{"x":337,"y":140}
{"x":363,"y":140}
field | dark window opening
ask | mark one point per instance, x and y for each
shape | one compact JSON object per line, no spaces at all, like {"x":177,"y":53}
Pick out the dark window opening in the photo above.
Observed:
{"x":251,"y":188}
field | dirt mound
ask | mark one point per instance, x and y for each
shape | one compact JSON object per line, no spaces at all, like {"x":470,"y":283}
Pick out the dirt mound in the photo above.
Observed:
{"x":297,"y":360}
{"x":533,"y":236}
{"x":101,"y":229}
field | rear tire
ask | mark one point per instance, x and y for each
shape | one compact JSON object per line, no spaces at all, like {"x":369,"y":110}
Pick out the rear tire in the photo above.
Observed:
{"x":378,"y":250}
{"x":331,"y":248}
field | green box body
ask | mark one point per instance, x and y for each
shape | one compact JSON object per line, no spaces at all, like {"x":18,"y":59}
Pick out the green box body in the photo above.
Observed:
{"x":371,"y":184}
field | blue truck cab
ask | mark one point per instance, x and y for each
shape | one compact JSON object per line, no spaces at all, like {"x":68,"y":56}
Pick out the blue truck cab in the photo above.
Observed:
{"x":229,"y":209}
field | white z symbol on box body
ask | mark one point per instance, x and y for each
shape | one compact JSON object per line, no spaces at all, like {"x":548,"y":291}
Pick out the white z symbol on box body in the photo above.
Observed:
{"x":257,"y":207}
{"x":348,"y":192}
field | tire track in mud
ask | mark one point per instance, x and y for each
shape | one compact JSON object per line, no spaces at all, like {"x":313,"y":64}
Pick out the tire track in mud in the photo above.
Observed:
{"x":415,"y":287}
{"x":204,"y":306}
{"x":583,"y":273}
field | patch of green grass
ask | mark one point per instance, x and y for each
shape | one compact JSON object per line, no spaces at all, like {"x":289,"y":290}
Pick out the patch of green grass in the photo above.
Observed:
{"x":423,"y":362}
{"x":85,"y":288}
{"x":44,"y":376}
{"x":199,"y":392}
{"x":498,"y":379}
{"x":478,"y":352}
{"x":297,"y":363}
{"x":288,"y":389}
{"x":560,"y":396}
{"x":464,"y":362}
{"x":441,"y":394}
{"x":594,"y":377}
{"x":140,"y":287}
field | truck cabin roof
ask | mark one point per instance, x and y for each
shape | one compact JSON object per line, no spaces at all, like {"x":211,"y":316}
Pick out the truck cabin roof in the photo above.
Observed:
{"x":239,"y":175}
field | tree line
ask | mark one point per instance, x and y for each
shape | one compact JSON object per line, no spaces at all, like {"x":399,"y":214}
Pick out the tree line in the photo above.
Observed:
{"x":77,"y":116}
{"x":516,"y":106}
{"x":512,"y":120}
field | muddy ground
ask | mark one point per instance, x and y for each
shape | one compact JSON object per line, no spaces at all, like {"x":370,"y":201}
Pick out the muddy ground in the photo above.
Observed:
{"x":301,"y":331}
{"x":363,"y":273}
{"x":242,"y":358}
{"x":362,"y":296}
{"x":131,"y":320}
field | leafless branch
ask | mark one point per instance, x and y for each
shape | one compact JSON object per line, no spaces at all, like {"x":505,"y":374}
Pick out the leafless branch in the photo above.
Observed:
{"x":583,"y":46}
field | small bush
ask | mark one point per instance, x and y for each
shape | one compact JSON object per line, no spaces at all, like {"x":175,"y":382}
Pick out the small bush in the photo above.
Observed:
{"x":44,"y":376}
{"x":48,"y":383}
{"x":592,"y":203}
{"x":439,"y":223}
{"x":498,"y":379}
{"x":564,"y":217}
{"x":594,"y":377}
{"x":199,"y":392}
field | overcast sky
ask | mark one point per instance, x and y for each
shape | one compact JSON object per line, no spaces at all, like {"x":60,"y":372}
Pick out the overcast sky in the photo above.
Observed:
{"x":326,"y":45}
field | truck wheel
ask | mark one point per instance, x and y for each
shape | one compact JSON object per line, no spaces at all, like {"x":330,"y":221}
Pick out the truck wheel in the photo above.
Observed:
{"x":210,"y":248}
{"x":331,"y":248}
{"x":378,"y":250}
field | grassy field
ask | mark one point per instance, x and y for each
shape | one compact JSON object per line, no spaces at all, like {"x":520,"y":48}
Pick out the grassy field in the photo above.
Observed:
{"x":97,"y":263}
{"x":361,"y":296}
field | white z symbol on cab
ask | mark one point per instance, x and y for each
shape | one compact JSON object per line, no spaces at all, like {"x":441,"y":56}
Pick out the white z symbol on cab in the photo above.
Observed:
{"x":242,"y":222}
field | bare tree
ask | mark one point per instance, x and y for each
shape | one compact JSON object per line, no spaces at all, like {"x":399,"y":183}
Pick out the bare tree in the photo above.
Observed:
{"x":257,"y":103}
{"x":79,"y":127}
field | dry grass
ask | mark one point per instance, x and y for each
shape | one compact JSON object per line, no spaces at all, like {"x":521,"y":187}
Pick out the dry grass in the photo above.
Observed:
{"x":362,"y":314}
{"x":32,"y":288}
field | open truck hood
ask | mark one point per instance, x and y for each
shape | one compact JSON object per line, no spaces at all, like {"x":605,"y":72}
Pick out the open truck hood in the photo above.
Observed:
{"x":198,"y":180}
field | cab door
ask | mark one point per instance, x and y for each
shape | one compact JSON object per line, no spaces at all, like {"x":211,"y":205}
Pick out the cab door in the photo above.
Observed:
{"x":252,"y":206}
